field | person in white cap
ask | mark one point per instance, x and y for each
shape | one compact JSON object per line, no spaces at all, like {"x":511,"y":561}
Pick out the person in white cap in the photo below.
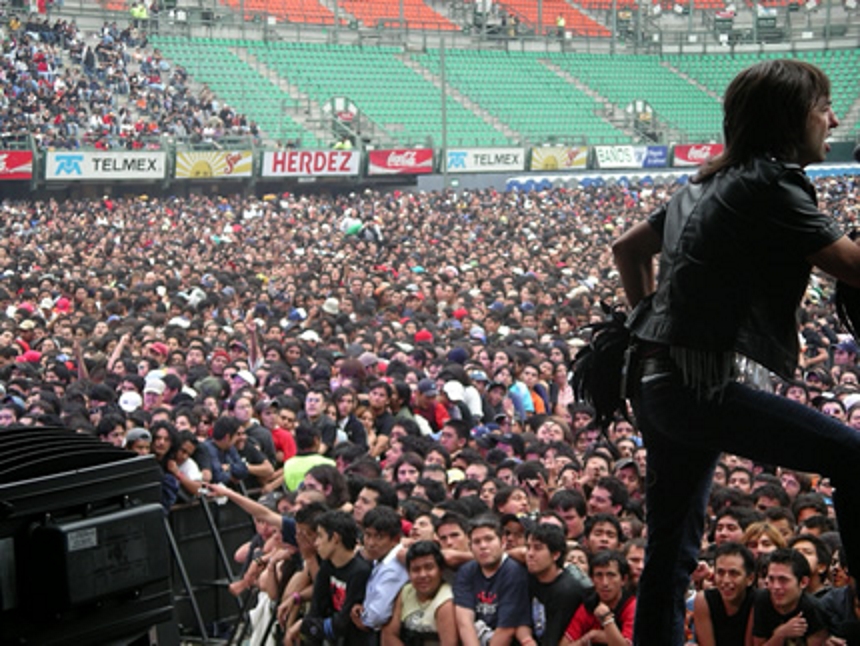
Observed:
{"x":153,"y":394}
{"x":451,"y":397}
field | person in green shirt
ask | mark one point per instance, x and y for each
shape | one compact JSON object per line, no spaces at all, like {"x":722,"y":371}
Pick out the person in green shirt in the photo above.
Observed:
{"x":307,"y":456}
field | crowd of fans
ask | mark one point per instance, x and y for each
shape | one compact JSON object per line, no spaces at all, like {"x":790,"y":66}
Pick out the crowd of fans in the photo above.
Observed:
{"x":108,"y":91}
{"x":389,"y":374}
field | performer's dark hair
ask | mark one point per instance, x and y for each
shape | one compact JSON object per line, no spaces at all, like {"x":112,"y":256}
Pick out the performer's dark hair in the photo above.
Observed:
{"x":764,"y":112}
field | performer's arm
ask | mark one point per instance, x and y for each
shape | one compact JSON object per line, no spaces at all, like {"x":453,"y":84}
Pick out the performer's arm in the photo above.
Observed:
{"x":634,"y":255}
{"x":840,"y":259}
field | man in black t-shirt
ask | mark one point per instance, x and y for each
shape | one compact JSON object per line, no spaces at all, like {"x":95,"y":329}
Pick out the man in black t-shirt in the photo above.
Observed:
{"x":555,"y":594}
{"x":314,"y":414}
{"x":786,"y":611}
{"x":722,"y":614}
{"x":339,"y":585}
{"x":259,"y":467}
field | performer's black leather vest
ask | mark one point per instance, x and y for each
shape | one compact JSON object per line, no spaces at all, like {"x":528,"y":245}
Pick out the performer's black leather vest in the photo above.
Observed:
{"x":733,"y":267}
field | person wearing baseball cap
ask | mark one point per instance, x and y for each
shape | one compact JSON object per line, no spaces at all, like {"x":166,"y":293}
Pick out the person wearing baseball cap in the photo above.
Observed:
{"x":153,"y":394}
{"x":138,"y":440}
{"x":426,"y":405}
{"x":159,"y":352}
{"x":218,"y":361}
{"x":845,"y":353}
{"x":26,"y":333}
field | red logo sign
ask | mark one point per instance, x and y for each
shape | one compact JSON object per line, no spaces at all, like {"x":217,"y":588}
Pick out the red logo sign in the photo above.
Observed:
{"x":412,"y":161}
{"x":311,"y":163}
{"x":696,"y":154}
{"x":16,"y":164}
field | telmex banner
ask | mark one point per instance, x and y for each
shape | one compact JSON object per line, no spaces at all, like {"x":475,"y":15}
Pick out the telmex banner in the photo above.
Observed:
{"x":212,"y":164}
{"x":486,"y":160}
{"x":16,"y":164}
{"x":608,"y":157}
{"x":695,"y":154}
{"x":143,"y":165}
{"x":412,"y":161}
{"x":311,"y":163}
{"x":559,"y":157}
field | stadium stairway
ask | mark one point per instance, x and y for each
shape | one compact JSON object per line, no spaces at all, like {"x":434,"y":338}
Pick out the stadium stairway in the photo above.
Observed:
{"x":465,"y":101}
{"x":713,"y":72}
{"x":339,"y":10}
{"x":311,"y":117}
{"x":625,"y":79}
{"x":252,"y":91}
{"x":527,"y":96}
{"x":494,"y":98}
{"x":391,"y":95}
{"x":616,"y":120}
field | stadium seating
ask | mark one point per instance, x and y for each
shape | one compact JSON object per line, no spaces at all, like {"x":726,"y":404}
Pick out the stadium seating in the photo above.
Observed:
{"x":600,"y":5}
{"x":302,"y":11}
{"x":715,"y":71}
{"x":116,"y":5}
{"x":623,"y":79}
{"x":383,"y":13}
{"x":386,"y":90}
{"x":576,"y":22}
{"x":238,"y":84}
{"x":773,"y":4}
{"x":518,"y":89}
{"x":666,"y":5}
{"x":524,"y":94}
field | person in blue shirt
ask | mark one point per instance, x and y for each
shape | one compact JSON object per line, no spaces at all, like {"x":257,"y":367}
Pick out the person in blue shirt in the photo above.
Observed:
{"x":491,"y":593}
{"x":382,"y":534}
{"x":227,"y":465}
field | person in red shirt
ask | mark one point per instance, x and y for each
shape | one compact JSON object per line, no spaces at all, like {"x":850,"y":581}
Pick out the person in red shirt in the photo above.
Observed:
{"x":427,"y":405}
{"x":282,"y":434}
{"x":607,"y":617}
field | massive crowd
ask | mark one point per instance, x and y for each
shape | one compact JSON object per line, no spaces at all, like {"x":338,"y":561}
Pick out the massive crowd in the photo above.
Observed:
{"x":381,"y":367}
{"x":109,"y":91}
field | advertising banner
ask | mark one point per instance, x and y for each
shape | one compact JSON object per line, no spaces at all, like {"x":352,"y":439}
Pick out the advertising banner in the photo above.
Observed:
{"x":311,"y":163}
{"x":140,"y":165}
{"x":16,"y":164}
{"x":417,"y":161}
{"x":612,"y":157}
{"x":214,"y":164}
{"x":559,"y":157}
{"x":695,"y":154}
{"x":486,"y":160}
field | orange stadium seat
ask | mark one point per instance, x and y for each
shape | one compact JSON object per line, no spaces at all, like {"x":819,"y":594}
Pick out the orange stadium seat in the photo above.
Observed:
{"x":667,"y":5}
{"x":601,"y":5}
{"x":575,"y":21}
{"x":387,"y":13}
{"x":305,"y":11}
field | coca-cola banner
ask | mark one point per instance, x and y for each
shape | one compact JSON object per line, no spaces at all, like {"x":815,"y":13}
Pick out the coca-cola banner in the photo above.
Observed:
{"x":695,"y":154}
{"x":413,"y":161}
{"x":16,"y":164}
{"x":311,"y":163}
{"x":607,"y":157}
